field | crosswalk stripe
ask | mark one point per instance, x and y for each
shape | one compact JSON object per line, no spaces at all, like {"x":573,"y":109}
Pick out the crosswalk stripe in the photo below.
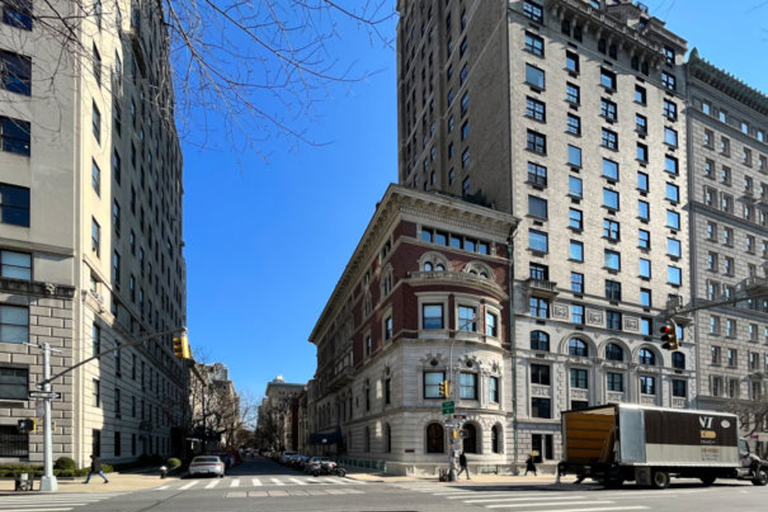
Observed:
{"x":297,"y":481}
{"x":189,"y":485}
{"x":212,"y":484}
{"x":552,"y":504}
{"x":597,"y":509}
{"x":256,"y":482}
{"x":164,"y":487}
{"x":504,"y":500}
{"x":277,"y":481}
{"x":52,"y":509}
{"x":352,"y":481}
{"x":235,"y":483}
{"x":507,"y":494}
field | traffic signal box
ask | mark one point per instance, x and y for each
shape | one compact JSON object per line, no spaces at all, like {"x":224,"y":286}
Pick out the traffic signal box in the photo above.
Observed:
{"x":26,"y":426}
{"x":669,"y":336}
{"x":445,"y":388}
{"x":181,"y":347}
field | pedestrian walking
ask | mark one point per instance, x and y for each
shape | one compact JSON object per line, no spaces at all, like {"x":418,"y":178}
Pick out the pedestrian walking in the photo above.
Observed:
{"x":96,"y":469}
{"x":463,"y":466}
{"x":529,"y":465}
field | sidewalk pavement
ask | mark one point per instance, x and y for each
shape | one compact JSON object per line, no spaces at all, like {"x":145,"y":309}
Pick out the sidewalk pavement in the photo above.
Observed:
{"x":540,"y":479}
{"x":118,"y":482}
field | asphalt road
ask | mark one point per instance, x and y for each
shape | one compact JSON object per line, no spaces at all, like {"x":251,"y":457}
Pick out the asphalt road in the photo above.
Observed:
{"x":261,"y":485}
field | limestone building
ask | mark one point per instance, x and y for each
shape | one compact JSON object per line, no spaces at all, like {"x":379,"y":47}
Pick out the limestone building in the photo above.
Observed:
{"x":90,"y":229}
{"x":569,"y":115}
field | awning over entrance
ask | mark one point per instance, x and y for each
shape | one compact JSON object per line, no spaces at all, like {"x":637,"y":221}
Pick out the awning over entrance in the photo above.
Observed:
{"x":325,"y":438}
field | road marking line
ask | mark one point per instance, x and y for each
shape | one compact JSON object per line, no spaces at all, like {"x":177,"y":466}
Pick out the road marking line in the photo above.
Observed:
{"x":297,"y":481}
{"x":277,"y":482}
{"x":189,"y":485}
{"x":163,"y":488}
{"x":352,"y":481}
{"x":598,"y":509}
{"x":212,"y":484}
{"x":58,"y":509}
{"x":503,"y":500}
{"x":508,"y":494}
{"x":556,"y":503}
{"x":256,"y":482}
{"x":235,"y":483}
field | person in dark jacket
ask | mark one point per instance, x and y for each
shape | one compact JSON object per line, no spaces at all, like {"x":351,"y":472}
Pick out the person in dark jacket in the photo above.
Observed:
{"x":529,"y":465}
{"x":96,"y":469}
{"x":463,"y":466}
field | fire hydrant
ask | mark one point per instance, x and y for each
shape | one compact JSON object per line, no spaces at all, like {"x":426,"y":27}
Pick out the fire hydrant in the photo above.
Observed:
{"x":163,"y":471}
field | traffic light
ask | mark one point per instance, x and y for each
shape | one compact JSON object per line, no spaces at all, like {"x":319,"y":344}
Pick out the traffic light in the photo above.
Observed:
{"x":445,"y":388}
{"x":181,"y":347}
{"x":26,"y":426}
{"x":669,"y":336}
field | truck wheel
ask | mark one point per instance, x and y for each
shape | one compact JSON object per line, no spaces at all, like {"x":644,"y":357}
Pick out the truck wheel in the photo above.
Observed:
{"x":708,"y":480}
{"x":660,"y":479}
{"x":761,"y":478}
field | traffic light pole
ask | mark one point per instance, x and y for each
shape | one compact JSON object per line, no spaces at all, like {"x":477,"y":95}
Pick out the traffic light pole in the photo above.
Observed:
{"x":48,"y":482}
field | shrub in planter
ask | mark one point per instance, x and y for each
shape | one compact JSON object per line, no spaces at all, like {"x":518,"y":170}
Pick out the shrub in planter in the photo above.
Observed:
{"x":172,"y":463}
{"x":64,"y":463}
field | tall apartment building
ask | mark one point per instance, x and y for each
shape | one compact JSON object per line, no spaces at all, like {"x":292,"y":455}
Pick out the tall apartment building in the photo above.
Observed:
{"x":568,"y":114}
{"x":90,"y":228}
{"x":728,"y":156}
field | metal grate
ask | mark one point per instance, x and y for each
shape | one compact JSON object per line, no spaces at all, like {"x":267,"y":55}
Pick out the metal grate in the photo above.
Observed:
{"x":13,"y":443}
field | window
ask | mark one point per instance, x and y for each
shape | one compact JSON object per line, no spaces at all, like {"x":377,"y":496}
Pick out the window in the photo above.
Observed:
{"x":468,"y":386}
{"x":673,"y":219}
{"x":116,"y":269}
{"x":537,"y":142}
{"x":538,"y":272}
{"x":573,"y":124}
{"x":670,"y":136}
{"x":575,"y":219}
{"x":95,"y":178}
{"x":541,"y":408}
{"x":577,"y":314}
{"x":647,"y":385}
{"x":572,"y":94}
{"x":614,"y":352}
{"x":674,"y":247}
{"x":608,"y":109}
{"x":678,"y":360}
{"x":95,"y":237}
{"x":15,"y":265}
{"x":432,"y":316}
{"x":708,"y":137}
{"x":16,"y":73}
{"x":534,"y":44}
{"x":14,"y":205}
{"x":537,"y":174}
{"x":641,"y":124}
{"x":14,"y":324}
{"x":610,"y":169}
{"x":579,"y":378}
{"x":388,"y":328}
{"x":15,"y":136}
{"x":537,"y":207}
{"x":643,"y":239}
{"x":646,"y":357}
{"x":540,"y":341}
{"x":574,"y":156}
{"x":642,"y":182}
{"x":615,"y":382}
{"x":610,"y":139}
{"x":612,"y":260}
{"x":533,"y":11}
{"x":575,"y":187}
{"x":96,"y":393}
{"x":464,"y":131}
{"x":668,"y":81}
{"x":645,"y":268}
{"x":674,"y":275}
{"x":641,"y":95}
{"x":572,"y":62}
{"x":97,"y":65}
{"x":535,"y":109}
{"x":534,"y":77}
{"x":18,"y":13}
{"x":608,"y":79}
{"x":538,"y":307}
{"x":612,"y":290}
{"x":432,"y":382}
{"x":14,"y":385}
{"x":642,"y":153}
{"x":538,"y":241}
{"x":613,"y":320}
{"x":467,"y":319}
{"x":673,"y":193}
{"x":493,"y":389}
{"x":577,"y":347}
{"x":435,"y":441}
{"x":491,"y":324}
{"x":610,"y":199}
{"x":645,"y":297}
{"x":577,"y":282}
{"x":611,"y":230}
{"x":576,"y":251}
{"x":679,"y":388}
{"x":96,"y":122}
{"x":670,"y":110}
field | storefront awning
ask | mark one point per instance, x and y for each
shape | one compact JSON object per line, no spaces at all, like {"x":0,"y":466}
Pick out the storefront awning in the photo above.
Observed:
{"x":325,"y":437}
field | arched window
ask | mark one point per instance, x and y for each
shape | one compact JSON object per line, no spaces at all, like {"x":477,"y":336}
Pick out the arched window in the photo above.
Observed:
{"x":495,"y":439}
{"x":470,"y":439}
{"x":678,"y":360}
{"x":577,"y":347}
{"x":388,"y":439}
{"x":428,"y":267}
{"x":645,"y":356}
{"x":435,"y":442}
{"x":540,"y":341}
{"x":613,"y":352}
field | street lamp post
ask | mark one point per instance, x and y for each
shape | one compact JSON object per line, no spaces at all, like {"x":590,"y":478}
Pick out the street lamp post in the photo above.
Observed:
{"x":451,"y":395}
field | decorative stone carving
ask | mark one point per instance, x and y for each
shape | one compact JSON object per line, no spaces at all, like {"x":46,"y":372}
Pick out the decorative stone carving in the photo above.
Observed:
{"x":560,"y":311}
{"x":679,"y":403}
{"x":595,"y":317}
{"x":541,"y":391}
{"x":615,"y":397}
{"x":648,"y":399}
{"x":579,"y":394}
{"x":631,"y":323}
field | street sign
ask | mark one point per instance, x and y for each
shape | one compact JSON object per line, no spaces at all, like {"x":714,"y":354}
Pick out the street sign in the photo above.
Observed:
{"x":448,"y":407}
{"x":44,"y":394}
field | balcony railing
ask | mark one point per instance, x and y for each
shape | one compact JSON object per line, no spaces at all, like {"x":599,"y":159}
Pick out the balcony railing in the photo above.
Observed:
{"x":541,"y":287}
{"x":341,"y":378}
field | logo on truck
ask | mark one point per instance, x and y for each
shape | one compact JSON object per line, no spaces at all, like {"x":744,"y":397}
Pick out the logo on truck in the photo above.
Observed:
{"x":707,"y":433}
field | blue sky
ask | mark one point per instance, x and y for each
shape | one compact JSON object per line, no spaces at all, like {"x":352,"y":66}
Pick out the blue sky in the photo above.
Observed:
{"x":269,"y":232}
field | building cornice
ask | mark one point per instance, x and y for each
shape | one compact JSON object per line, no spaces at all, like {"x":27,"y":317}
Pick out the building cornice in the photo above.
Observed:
{"x":726,"y":83}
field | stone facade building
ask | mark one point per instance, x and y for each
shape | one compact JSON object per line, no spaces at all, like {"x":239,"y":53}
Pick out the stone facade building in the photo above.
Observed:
{"x":422,"y":301}
{"x":90,"y":230}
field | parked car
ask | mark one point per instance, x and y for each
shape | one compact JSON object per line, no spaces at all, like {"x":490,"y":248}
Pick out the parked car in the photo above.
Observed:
{"x":286,"y":456}
{"x":314,"y":463}
{"x":206,"y":465}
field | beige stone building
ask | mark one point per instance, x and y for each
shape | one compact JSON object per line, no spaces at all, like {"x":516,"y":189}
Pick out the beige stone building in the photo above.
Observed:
{"x":90,"y":230}
{"x":728,"y":167}
{"x":568,"y":114}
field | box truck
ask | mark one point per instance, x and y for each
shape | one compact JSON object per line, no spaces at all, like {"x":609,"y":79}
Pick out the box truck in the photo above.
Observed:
{"x":620,"y":443}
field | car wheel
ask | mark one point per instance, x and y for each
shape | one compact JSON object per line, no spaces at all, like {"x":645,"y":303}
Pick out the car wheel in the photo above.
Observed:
{"x":660,"y":479}
{"x":761,"y":478}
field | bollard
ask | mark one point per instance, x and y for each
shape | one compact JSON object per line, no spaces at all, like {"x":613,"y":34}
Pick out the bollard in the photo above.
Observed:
{"x":163,"y":471}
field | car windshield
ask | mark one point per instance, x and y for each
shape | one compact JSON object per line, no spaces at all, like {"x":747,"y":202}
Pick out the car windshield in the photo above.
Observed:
{"x":202,"y":460}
